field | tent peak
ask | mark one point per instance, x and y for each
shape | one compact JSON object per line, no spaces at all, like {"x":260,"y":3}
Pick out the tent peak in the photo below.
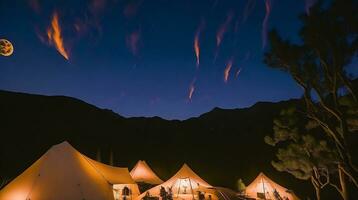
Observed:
{"x":186,"y":172}
{"x":63,"y":144}
{"x":185,"y":177}
{"x":262,"y":174}
{"x":185,"y":166}
{"x":141,"y":172}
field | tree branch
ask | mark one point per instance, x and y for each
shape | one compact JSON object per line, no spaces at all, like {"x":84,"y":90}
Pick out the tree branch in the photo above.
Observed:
{"x":349,"y":175}
{"x":348,"y":85}
{"x":337,"y":188}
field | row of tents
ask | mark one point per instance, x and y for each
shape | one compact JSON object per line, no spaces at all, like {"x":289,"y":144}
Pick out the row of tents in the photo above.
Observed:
{"x":63,"y":173}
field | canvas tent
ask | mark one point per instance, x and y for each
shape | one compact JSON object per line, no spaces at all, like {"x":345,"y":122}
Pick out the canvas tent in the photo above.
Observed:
{"x":142,"y":173}
{"x":264,"y":188}
{"x":185,"y":184}
{"x":64,"y":173}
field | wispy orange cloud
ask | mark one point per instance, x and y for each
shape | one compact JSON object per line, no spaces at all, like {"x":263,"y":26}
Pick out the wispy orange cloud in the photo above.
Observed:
{"x":246,"y":58}
{"x":265,"y":23}
{"x":238,"y":73}
{"x":54,"y":36}
{"x":132,"y":41}
{"x":191,"y":91}
{"x":227,"y":70}
{"x":223,"y":29}
{"x":197,"y":43}
{"x":197,"y":49}
{"x":249,"y":7}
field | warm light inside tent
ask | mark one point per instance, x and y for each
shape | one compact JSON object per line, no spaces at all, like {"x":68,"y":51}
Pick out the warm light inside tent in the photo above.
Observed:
{"x":17,"y":195}
{"x":263,"y":187}
{"x":127,"y":191}
{"x":116,"y":194}
{"x":142,"y":172}
{"x":185,"y":186}
{"x":81,"y":178}
{"x":86,"y":167}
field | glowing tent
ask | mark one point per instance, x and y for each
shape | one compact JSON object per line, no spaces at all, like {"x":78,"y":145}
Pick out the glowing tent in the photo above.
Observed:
{"x":64,"y":173}
{"x":141,"y":172}
{"x":185,"y":184}
{"x":264,"y":188}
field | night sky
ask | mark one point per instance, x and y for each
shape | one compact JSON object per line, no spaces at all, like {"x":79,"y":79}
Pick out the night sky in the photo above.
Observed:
{"x":138,"y":58}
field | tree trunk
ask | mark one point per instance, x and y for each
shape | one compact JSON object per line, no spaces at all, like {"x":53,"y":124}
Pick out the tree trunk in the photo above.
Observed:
{"x":317,"y":188}
{"x":342,"y":180}
{"x":318,"y":193}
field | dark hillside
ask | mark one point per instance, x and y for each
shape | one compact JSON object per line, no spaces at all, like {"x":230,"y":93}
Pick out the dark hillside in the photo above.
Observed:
{"x":221,"y":145}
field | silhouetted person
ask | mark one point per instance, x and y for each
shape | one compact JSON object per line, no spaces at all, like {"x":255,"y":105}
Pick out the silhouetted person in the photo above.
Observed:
{"x":163,"y":193}
{"x":201,"y":195}
{"x":277,"y":195}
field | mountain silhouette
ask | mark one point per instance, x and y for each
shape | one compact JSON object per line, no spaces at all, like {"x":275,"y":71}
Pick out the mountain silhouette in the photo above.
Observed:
{"x":222,"y":145}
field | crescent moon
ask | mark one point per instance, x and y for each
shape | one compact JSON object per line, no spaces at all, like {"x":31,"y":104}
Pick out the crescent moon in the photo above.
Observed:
{"x":6,"y":48}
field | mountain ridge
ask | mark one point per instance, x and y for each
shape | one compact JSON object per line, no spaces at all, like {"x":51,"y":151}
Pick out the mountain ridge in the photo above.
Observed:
{"x":221,"y":145}
{"x":33,"y":123}
{"x":63,"y":97}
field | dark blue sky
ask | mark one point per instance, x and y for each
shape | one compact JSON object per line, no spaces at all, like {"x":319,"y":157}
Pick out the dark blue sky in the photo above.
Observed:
{"x":137,"y":57}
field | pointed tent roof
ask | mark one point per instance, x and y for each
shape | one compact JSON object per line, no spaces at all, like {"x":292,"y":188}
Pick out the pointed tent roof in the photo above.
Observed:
{"x":141,"y":172}
{"x":186,"y":172}
{"x":64,"y":173}
{"x":184,"y":176}
{"x":114,"y":175}
{"x":263,"y":184}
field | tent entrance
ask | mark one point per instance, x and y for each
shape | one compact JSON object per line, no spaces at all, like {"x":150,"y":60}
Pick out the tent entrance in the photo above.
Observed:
{"x":185,"y":188}
{"x":122,"y":192}
{"x":264,"y":189}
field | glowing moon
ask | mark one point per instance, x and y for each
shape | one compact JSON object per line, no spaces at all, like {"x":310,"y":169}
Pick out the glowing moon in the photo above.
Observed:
{"x":6,"y":48}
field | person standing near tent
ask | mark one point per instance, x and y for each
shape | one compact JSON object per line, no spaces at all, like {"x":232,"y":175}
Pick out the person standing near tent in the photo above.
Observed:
{"x":277,"y":195}
{"x":163,"y":193}
{"x":201,"y":195}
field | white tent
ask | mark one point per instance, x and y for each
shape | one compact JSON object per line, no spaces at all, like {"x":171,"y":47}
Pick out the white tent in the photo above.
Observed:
{"x":64,"y":173}
{"x":141,"y":172}
{"x":264,"y":188}
{"x":185,"y":184}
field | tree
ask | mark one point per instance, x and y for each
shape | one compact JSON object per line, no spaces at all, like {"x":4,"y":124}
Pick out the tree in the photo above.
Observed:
{"x":300,"y":154}
{"x":318,"y":64}
{"x":241,"y":187}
